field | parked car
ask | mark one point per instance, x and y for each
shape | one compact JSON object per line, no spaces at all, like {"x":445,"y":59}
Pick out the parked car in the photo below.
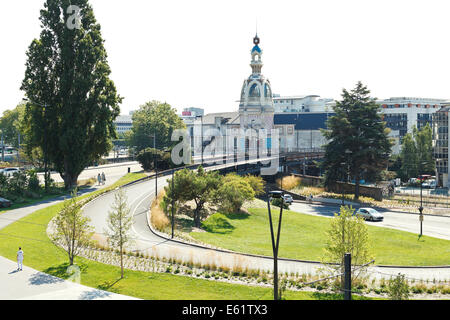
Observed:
{"x":369,"y":214}
{"x":433,"y":184}
{"x":5,"y":203}
{"x":288,"y":198}
{"x":9,"y":171}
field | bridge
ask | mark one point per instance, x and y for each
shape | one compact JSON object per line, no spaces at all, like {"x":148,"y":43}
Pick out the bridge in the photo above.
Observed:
{"x":245,"y":163}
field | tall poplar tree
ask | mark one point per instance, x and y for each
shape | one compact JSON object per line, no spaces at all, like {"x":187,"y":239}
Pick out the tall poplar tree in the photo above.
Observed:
{"x":358,"y":140}
{"x":72,"y":101}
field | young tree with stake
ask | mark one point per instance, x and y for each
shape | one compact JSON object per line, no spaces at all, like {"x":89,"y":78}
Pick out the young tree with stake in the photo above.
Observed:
{"x":72,"y":229}
{"x":119,"y":224}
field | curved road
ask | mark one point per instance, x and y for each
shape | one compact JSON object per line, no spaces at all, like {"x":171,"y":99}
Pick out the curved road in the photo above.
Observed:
{"x":141,"y":195}
{"x":433,"y":226}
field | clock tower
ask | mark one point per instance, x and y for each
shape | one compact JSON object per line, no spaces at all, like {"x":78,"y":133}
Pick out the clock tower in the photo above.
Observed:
{"x":256,"y":104}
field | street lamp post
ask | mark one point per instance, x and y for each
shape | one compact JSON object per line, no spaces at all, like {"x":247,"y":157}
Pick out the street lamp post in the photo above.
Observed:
{"x":421,"y":206}
{"x":156,"y":166}
{"x":275,"y":245}
{"x":422,"y":177}
{"x":3,"y":148}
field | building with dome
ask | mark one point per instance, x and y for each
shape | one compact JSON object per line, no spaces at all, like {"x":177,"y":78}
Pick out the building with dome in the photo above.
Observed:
{"x":256,"y":108}
{"x":297,"y":129}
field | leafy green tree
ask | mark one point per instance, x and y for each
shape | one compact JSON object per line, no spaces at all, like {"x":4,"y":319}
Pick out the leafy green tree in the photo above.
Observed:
{"x":154,"y":118}
{"x":233,"y":192}
{"x":147,"y":158}
{"x":10,"y":125}
{"x":358,"y":138}
{"x":73,"y":102}
{"x":424,"y":147}
{"x":347,"y":234}
{"x":72,"y":229}
{"x":198,"y":186}
{"x":119,"y":223}
{"x":409,"y":157}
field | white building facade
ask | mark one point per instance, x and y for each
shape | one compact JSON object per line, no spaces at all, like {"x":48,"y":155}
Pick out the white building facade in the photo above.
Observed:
{"x":123,"y":123}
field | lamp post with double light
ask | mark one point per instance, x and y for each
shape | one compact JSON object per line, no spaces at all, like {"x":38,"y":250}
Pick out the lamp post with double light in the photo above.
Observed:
{"x":421,"y":177}
{"x":275,"y":244}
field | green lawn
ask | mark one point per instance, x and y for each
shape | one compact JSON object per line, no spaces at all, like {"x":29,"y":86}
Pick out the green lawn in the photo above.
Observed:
{"x":41,"y":254}
{"x":303,"y":237}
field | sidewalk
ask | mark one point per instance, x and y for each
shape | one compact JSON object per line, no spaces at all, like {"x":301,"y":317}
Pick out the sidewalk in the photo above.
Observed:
{"x":111,"y":165}
{"x":30,"y":284}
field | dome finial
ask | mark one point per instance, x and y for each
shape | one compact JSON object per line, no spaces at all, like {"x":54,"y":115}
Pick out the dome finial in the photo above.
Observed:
{"x":256,"y":39}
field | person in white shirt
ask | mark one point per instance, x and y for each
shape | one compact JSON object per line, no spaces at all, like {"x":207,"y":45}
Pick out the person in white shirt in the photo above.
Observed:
{"x":19,"y":259}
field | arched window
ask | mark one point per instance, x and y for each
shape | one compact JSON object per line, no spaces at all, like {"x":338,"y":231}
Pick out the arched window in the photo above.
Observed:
{"x":254,"y":91}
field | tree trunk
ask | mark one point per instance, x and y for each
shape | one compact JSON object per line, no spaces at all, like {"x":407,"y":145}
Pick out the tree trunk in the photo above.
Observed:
{"x":70,"y":178}
{"x":70,"y":181}
{"x":197,"y":218}
{"x":121,"y":262}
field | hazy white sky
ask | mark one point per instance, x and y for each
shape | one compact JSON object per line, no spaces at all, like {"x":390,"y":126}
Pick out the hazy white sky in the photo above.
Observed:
{"x":197,"y":53}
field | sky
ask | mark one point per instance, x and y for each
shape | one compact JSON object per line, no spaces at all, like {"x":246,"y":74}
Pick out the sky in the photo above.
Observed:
{"x":193,"y":53}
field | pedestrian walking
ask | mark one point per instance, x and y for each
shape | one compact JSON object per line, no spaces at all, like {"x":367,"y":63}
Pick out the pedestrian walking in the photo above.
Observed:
{"x":19,"y":259}
{"x":99,"y":179}
{"x":103,"y":178}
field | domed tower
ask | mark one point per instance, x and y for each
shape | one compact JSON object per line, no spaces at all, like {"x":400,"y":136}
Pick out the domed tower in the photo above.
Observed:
{"x":256,"y":104}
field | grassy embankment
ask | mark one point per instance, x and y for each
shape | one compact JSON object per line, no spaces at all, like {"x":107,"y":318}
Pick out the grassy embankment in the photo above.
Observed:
{"x":304,"y":237}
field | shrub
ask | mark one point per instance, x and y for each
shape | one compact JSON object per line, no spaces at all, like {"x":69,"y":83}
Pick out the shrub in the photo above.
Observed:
{"x":278,"y":201}
{"x":33,"y":181}
{"x":158,"y":219}
{"x":233,"y":192}
{"x":289,"y":182}
{"x":147,"y":158}
{"x":17,"y":183}
{"x":398,"y":288}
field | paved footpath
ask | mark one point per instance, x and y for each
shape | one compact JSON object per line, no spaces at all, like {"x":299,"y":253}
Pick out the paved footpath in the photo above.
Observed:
{"x":31,"y":284}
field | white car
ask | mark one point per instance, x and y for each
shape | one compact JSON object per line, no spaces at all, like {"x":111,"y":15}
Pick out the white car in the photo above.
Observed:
{"x":288,"y":198}
{"x":369,"y":214}
{"x":9,"y":171}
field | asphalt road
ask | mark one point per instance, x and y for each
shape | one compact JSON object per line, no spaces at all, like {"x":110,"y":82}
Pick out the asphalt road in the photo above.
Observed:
{"x":433,"y":226}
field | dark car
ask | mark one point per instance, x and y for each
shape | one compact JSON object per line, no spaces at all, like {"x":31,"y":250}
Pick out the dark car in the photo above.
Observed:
{"x":5,"y":203}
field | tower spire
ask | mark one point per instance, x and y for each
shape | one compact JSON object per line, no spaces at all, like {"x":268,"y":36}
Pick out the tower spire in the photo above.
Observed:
{"x":256,"y":63}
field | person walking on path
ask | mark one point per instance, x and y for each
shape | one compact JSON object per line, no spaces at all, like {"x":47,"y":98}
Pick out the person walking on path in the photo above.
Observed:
{"x":19,"y":259}
{"x":103,"y":178}
{"x":99,"y":179}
